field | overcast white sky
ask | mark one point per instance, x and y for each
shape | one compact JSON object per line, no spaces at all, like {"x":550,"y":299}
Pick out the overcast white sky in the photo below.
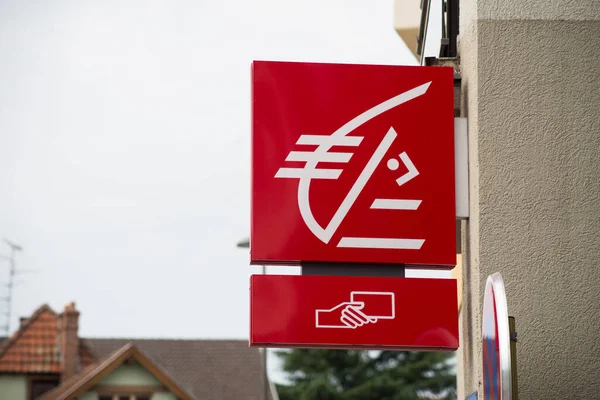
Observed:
{"x":124,"y":149}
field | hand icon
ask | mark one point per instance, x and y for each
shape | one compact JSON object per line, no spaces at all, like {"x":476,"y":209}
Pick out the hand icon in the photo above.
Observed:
{"x":344,"y":315}
{"x":353,"y":317}
{"x":352,"y":314}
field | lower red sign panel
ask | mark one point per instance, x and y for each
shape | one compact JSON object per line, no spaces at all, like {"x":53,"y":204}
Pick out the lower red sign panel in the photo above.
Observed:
{"x":353,"y":312}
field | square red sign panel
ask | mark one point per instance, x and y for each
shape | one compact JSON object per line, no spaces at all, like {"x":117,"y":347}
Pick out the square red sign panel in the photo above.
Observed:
{"x":352,"y":163}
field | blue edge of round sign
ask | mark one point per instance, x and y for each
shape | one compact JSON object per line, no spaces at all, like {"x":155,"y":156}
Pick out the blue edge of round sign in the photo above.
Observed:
{"x":490,"y":369}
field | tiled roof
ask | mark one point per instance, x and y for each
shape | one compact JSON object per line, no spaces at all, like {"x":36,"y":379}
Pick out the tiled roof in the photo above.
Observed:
{"x":33,"y":347}
{"x":87,"y":357}
{"x":208,"y":369}
{"x":90,"y":376}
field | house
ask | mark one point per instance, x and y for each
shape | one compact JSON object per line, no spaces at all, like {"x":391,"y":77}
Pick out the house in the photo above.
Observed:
{"x":45,"y":359}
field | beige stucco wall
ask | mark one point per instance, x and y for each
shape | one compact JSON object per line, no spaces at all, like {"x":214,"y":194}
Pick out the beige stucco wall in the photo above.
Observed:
{"x":407,"y":17}
{"x":13,"y":387}
{"x":531,"y":92}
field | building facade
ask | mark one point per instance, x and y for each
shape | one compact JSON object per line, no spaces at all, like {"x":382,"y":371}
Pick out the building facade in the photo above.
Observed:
{"x":530,"y":89}
{"x":46,"y":359}
{"x":531,"y":92}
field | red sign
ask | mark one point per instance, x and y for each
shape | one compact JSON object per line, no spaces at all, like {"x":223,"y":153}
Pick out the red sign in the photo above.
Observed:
{"x":352,"y":163}
{"x":353,"y":312}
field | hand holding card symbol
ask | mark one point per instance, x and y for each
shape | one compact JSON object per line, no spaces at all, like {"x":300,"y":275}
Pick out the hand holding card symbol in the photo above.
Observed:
{"x":363,"y":308}
{"x":344,"y":315}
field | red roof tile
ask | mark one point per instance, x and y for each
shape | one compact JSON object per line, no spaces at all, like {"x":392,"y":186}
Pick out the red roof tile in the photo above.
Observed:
{"x":78,"y":384}
{"x":33,"y":348}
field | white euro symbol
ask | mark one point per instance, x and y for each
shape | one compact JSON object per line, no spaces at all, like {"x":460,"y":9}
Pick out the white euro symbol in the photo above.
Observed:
{"x":322,"y":154}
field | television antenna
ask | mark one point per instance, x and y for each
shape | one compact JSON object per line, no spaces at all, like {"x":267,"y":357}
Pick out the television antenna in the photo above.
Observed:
{"x":14,"y":248}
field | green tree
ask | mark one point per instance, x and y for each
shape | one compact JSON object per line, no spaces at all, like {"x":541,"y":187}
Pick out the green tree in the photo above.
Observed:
{"x":366,"y":375}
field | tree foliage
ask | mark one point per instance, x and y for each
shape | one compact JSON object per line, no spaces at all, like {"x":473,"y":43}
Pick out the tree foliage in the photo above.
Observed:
{"x":366,"y":375}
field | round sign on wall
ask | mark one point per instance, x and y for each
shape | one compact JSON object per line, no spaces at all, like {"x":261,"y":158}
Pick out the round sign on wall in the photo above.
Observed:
{"x":496,"y":341}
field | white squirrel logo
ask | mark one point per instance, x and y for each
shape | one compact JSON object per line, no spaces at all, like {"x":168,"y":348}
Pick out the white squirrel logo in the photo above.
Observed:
{"x":322,"y":155}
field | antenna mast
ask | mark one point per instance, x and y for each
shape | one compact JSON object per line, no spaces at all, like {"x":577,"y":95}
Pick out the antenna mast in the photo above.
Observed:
{"x":11,"y":281}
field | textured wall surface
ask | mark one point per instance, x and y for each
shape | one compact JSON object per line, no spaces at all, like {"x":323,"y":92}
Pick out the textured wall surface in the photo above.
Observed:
{"x":570,"y":10}
{"x":531,"y":91}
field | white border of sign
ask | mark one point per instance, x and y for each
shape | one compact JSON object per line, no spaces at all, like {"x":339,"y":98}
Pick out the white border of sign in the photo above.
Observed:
{"x":495,"y":292}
